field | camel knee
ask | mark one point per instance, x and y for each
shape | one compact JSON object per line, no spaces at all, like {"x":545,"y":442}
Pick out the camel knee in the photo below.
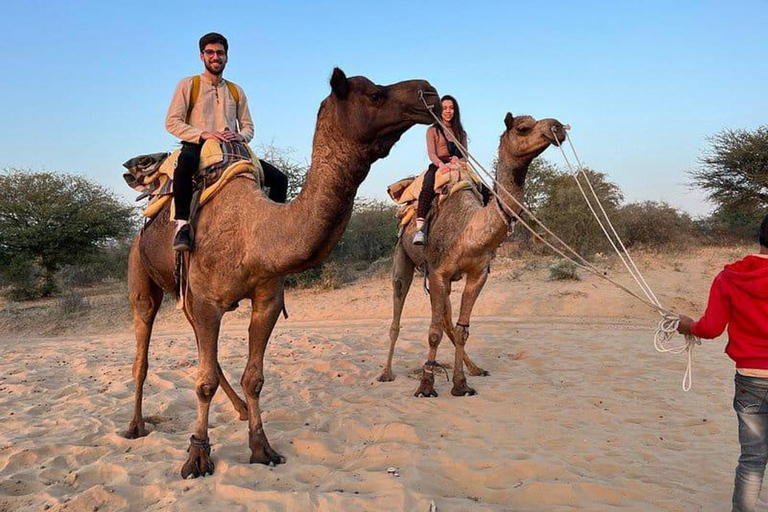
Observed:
{"x":398,"y":286}
{"x":434,"y":338}
{"x":207,"y":387}
{"x":252,"y":382}
{"x":144,"y":308}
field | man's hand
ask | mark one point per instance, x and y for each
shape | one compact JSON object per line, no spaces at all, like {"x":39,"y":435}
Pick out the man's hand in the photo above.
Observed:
{"x":684,"y":327}
{"x":219,"y":136}
{"x":442,"y":169}
{"x":225,"y":136}
{"x":232,"y":136}
{"x":454,"y":159}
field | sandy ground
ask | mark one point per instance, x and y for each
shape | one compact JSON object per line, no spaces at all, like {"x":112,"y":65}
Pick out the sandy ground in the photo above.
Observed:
{"x":579,"y":411}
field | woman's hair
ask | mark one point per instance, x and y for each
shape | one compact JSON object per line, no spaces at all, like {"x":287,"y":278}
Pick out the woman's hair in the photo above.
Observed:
{"x":458,"y":128}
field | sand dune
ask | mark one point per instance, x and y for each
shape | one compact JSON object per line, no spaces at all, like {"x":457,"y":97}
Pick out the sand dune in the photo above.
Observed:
{"x":579,"y":412}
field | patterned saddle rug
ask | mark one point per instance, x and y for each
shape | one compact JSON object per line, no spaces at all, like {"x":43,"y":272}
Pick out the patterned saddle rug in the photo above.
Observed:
{"x":405,"y":192}
{"x":152,"y":175}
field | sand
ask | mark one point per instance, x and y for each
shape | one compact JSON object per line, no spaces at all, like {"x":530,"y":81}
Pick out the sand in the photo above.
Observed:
{"x":579,"y":411}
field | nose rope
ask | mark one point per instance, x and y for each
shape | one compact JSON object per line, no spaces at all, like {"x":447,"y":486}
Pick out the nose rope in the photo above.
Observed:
{"x":669,"y":322}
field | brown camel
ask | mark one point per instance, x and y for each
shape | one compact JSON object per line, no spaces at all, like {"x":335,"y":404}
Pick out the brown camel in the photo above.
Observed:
{"x":246,"y":244}
{"x":463,"y":237}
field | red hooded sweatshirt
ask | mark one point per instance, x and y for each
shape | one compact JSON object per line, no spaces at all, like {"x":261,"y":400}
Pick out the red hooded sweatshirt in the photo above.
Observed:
{"x":738,"y":298}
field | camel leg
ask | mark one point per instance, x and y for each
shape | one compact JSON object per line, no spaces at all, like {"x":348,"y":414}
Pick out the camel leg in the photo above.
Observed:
{"x":145,"y":297}
{"x":473,"y":369}
{"x":439,"y":290}
{"x":472,"y":290}
{"x":267,"y":305}
{"x":402,"y":276}
{"x":238,"y":403}
{"x":206,"y":321}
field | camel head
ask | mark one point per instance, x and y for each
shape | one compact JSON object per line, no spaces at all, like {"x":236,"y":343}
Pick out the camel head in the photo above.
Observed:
{"x":526,"y":138}
{"x":376,"y":116}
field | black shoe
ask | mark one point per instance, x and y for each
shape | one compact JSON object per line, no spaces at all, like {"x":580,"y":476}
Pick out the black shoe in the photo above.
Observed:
{"x":183,"y":240}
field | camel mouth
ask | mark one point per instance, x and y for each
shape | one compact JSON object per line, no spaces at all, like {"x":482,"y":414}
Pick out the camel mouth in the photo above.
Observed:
{"x":555,"y":135}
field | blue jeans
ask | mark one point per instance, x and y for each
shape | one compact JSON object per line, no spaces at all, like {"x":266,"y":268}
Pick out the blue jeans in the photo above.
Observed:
{"x":749,"y":402}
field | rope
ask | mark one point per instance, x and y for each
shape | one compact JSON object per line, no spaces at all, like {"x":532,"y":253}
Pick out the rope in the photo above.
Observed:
{"x":669,"y":322}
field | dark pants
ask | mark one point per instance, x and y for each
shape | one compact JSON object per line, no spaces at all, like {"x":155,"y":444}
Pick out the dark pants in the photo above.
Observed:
{"x":186,"y":167}
{"x":749,"y":402}
{"x":427,"y":193}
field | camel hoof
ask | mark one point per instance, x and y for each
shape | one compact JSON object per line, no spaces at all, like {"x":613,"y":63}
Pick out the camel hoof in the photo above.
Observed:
{"x":463,"y":391}
{"x":199,"y":462}
{"x":386,"y":376}
{"x":424,"y":392}
{"x":268,"y":457}
{"x":136,"y":430}
{"x":479,"y":372}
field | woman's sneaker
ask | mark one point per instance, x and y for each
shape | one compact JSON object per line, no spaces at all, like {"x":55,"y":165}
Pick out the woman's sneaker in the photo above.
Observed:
{"x":419,"y":238}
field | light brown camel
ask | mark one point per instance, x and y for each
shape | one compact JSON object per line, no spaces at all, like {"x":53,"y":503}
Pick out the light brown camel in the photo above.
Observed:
{"x":463,"y":237}
{"x":246,"y":244}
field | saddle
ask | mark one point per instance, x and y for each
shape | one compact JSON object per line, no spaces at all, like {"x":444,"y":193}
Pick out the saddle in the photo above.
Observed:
{"x":405,"y":192}
{"x":152,"y":175}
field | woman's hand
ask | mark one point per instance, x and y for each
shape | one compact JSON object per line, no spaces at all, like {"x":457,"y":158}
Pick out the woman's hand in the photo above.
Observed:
{"x":442,"y":169}
{"x":454,"y":159}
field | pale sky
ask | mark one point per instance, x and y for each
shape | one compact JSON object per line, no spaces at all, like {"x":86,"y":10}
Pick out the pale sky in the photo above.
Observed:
{"x":641,"y":83}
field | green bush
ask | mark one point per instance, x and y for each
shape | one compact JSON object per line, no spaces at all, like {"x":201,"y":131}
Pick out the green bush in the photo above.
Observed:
{"x":653,"y":224}
{"x":370,"y":235}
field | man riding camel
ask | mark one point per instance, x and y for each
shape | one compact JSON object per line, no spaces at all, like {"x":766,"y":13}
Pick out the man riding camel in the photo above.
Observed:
{"x":220,"y":112}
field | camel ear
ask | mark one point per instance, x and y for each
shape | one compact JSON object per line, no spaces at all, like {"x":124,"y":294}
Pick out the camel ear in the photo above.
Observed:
{"x":339,"y":84}
{"x":508,"y":120}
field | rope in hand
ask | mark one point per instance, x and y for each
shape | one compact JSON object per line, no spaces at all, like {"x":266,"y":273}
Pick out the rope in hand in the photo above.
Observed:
{"x":669,"y":322}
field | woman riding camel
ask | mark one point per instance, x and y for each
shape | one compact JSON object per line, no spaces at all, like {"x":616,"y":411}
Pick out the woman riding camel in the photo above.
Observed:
{"x":442,"y":152}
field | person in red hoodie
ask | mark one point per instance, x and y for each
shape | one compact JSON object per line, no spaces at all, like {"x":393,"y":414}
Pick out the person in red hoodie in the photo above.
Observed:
{"x":738,"y":299}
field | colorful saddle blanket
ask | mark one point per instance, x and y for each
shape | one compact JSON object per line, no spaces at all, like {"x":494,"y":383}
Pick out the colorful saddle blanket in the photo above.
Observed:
{"x":405,"y":192}
{"x":152,"y":175}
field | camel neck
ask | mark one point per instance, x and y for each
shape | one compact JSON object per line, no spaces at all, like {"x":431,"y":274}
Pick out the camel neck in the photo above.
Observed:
{"x":510,"y":175}
{"x":316,"y":219}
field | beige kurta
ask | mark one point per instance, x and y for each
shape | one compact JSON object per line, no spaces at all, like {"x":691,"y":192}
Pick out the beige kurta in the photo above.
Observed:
{"x":214,"y":110}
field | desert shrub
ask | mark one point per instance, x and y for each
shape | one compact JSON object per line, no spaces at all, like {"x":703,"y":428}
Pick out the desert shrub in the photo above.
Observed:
{"x":371,"y":233}
{"x":654,"y":224}
{"x":306,"y":279}
{"x":563,"y":271}
{"x":72,"y":303}
{"x":110,"y":263}
{"x":25,"y":280}
{"x":335,"y":275}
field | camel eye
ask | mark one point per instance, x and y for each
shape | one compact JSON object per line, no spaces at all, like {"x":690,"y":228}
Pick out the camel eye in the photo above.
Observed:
{"x":523,"y":129}
{"x":376,"y":96}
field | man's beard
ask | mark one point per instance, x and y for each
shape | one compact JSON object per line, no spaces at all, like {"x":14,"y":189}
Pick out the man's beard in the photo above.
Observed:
{"x":214,"y":71}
